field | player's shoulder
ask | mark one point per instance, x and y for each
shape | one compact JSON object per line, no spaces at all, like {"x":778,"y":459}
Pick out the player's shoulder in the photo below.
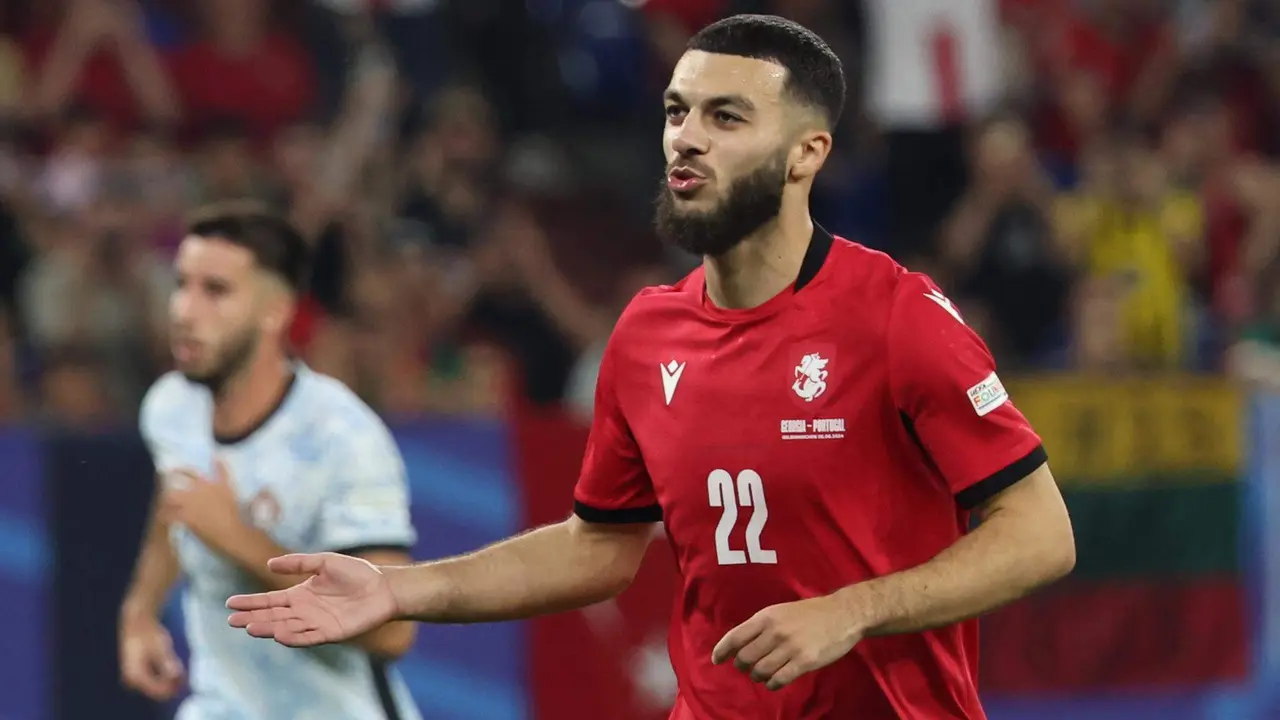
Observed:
{"x":171,"y":400}
{"x":879,"y":281}
{"x":654,"y":304}
{"x":333,"y":409}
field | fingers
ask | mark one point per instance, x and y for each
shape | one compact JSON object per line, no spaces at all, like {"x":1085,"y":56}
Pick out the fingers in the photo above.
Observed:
{"x":154,"y":671}
{"x":220,"y":472}
{"x":293,"y":633}
{"x":765,"y":669}
{"x":786,"y":675}
{"x":736,"y":639}
{"x":297,"y":564}
{"x":754,"y":652}
{"x":259,"y":601}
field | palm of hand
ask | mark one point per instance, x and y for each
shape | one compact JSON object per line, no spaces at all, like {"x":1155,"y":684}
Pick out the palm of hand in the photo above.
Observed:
{"x":339,"y":604}
{"x":343,"y":598}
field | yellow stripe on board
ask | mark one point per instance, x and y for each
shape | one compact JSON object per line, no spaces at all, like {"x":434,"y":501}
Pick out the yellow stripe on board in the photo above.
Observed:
{"x":1126,"y":432}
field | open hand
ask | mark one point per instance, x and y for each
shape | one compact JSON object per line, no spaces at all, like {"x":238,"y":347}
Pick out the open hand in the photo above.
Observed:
{"x":344,"y":597}
{"x":782,"y":642}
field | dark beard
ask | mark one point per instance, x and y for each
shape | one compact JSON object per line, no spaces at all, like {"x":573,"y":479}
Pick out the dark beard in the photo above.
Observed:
{"x":750,"y":202}
{"x":236,"y":359}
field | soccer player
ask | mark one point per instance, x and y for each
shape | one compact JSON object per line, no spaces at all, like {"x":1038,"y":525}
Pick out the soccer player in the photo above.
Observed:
{"x":814,"y":425}
{"x":256,"y":455}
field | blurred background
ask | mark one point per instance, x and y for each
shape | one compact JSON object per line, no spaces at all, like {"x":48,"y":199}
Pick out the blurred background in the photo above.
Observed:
{"x":1093,"y":182}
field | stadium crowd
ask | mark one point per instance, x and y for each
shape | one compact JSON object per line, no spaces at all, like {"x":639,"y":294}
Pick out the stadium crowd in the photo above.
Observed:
{"x":1097,"y":189}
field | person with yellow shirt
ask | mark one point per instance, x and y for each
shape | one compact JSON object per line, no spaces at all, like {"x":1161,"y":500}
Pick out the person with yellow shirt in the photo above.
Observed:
{"x":1137,"y":240}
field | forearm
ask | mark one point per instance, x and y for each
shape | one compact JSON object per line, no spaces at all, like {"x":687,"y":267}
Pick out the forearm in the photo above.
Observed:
{"x":1002,"y":560}
{"x":56,"y":83}
{"x":154,"y":574}
{"x":552,"y":569}
{"x":146,"y":77}
{"x":250,"y":551}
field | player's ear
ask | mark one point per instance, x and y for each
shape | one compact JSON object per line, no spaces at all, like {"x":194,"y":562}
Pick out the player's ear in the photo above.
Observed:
{"x":278,"y":311}
{"x":809,"y":154}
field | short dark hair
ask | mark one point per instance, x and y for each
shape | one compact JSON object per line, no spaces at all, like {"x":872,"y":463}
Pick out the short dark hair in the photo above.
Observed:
{"x":276,"y":244}
{"x":814,"y":73}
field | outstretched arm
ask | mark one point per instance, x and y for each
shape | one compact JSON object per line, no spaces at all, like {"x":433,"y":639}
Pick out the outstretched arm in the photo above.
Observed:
{"x":558,"y":567}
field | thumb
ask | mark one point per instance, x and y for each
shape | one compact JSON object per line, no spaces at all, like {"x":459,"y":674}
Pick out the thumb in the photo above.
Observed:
{"x":297,"y":564}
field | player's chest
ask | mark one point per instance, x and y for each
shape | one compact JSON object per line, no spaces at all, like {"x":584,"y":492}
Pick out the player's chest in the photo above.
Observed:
{"x":732,"y":401}
{"x":278,"y":483}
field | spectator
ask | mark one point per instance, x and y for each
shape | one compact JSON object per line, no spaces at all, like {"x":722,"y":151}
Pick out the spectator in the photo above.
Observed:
{"x":242,"y":69}
{"x":1000,"y":249}
{"x":228,"y":168}
{"x":75,"y":391}
{"x":97,"y":287}
{"x":1120,"y":52}
{"x":1137,"y":240}
{"x":73,"y":171}
{"x":11,"y":79}
{"x":932,"y":67}
{"x":99,"y":56}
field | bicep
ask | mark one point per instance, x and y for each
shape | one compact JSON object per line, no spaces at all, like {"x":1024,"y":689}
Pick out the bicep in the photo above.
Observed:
{"x":621,"y":545}
{"x":1034,"y":496}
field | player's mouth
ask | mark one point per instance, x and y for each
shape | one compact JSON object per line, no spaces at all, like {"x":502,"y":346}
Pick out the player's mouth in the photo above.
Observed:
{"x":685,"y":180}
{"x":185,"y":350}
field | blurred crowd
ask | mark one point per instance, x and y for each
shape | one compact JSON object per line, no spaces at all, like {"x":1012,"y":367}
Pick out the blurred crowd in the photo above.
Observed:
{"x":1093,"y":181}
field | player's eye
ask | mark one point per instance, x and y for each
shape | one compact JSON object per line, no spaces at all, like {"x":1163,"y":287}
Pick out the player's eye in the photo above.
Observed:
{"x":727,"y":118}
{"x":675,"y":112}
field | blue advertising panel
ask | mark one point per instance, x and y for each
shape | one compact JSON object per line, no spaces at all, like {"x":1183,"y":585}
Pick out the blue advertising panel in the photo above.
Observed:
{"x":465,"y":495}
{"x":24,"y":579}
{"x":1263,"y":513}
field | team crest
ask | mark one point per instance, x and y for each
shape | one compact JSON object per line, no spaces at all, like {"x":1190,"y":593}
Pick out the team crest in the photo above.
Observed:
{"x":811,"y":377}
{"x":263,"y":510}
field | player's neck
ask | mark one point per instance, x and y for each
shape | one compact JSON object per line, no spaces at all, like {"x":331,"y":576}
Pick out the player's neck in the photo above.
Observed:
{"x":250,"y":397}
{"x":764,"y":264}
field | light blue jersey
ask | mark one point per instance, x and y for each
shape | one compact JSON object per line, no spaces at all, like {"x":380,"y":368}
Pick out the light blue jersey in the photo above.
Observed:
{"x":322,"y":473}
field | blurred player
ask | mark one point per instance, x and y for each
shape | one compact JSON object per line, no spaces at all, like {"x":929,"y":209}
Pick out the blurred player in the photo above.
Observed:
{"x":813,"y":423}
{"x":255,"y":455}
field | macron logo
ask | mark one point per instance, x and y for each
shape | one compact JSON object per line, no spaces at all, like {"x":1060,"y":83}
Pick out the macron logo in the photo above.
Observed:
{"x":944,"y":303}
{"x":671,"y":373}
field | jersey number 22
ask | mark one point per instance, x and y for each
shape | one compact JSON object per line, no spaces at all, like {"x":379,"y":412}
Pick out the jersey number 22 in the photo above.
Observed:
{"x":747,"y":492}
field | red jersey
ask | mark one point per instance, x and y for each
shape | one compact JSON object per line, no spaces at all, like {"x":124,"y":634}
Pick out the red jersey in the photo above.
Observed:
{"x":837,"y":433}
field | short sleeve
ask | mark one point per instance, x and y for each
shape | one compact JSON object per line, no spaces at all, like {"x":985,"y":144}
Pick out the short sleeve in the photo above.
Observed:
{"x":367,"y":502}
{"x":944,"y":383}
{"x":614,"y":486}
{"x":162,"y":418}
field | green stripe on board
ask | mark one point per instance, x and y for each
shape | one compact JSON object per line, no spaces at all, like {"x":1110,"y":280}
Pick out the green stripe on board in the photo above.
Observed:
{"x":1144,"y":481}
{"x":1161,"y":531}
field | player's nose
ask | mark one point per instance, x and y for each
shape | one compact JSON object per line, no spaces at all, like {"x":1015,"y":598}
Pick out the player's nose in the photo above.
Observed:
{"x":689,"y":139}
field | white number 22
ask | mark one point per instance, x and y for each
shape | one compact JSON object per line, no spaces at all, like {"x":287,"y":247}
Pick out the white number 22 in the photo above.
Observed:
{"x":748,"y":492}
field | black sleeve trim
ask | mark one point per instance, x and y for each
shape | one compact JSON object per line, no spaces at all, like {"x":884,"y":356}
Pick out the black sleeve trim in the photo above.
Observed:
{"x":647,"y":514}
{"x":1001,"y":480}
{"x":363,"y":549}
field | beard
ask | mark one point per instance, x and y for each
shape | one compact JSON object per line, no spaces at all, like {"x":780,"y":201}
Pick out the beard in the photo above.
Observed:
{"x":749,"y":203}
{"x":234,"y":357}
